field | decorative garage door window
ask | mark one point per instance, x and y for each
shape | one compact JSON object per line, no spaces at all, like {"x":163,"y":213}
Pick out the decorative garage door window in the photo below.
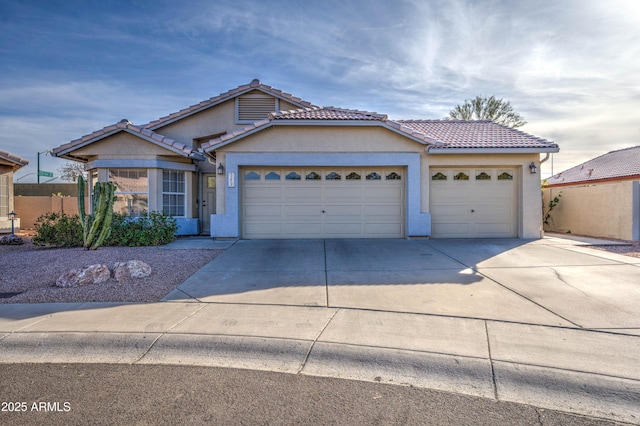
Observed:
{"x":483,"y":176}
{"x":272,"y":176}
{"x":393,"y":176}
{"x":373,"y":176}
{"x":251,"y":175}
{"x":461,"y":176}
{"x":438,"y":176}
{"x":505,"y":176}
{"x":313,"y":176}
{"x":293,"y":176}
{"x":331,"y":175}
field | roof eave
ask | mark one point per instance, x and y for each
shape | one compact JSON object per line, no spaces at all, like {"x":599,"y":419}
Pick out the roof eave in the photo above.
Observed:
{"x":439,"y":151}
{"x":218,"y":102}
{"x":66,"y":153}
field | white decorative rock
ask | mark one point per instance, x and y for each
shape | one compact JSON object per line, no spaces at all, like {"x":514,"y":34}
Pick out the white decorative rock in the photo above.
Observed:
{"x":131,"y":269}
{"x":92,"y":274}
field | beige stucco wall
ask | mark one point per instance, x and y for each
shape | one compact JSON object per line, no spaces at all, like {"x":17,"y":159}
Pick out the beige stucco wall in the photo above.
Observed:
{"x":324,"y":139}
{"x":29,"y":208}
{"x":217,"y":119}
{"x":122,"y":145}
{"x":601,"y":210}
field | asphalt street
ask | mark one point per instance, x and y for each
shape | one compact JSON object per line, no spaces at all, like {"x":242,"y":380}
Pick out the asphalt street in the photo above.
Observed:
{"x":113,"y":394}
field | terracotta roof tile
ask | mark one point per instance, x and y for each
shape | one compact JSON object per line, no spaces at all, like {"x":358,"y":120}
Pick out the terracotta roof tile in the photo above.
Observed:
{"x":454,"y":134}
{"x":254,"y":85}
{"x":612,"y":165}
{"x":327,"y":113}
{"x":16,"y":161}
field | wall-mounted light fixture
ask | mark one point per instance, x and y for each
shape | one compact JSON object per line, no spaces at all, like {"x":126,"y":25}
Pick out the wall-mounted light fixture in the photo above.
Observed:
{"x":532,"y":168}
{"x":221,"y":169}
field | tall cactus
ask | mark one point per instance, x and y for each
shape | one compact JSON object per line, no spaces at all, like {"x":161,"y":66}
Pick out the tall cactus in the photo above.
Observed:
{"x":97,"y":227}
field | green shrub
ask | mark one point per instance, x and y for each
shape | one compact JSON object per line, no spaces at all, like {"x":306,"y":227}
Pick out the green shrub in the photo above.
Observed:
{"x":58,"y":230}
{"x":152,"y":229}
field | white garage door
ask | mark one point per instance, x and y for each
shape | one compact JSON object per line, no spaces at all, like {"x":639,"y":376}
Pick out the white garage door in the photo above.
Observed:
{"x":473,"y":203}
{"x":322,"y":202}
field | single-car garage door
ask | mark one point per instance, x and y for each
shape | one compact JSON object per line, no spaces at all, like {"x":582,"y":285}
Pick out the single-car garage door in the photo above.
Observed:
{"x":473,"y":203}
{"x":316,"y":202}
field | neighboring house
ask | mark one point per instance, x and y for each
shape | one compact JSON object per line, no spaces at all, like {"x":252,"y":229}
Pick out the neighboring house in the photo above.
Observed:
{"x":599,"y":198}
{"x":256,"y":162}
{"x":9,"y":164}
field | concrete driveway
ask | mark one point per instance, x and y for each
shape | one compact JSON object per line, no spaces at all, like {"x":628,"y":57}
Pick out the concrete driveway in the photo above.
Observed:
{"x":549,"y":282}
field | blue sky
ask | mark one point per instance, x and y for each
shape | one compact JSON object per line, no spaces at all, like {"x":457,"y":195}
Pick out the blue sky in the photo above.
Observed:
{"x":570,"y":67}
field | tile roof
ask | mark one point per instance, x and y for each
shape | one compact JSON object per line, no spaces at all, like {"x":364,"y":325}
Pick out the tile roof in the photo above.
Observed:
{"x":254,"y":85}
{"x":319,"y":114}
{"x":124,"y":125}
{"x":438,"y":134}
{"x":614,"y":165}
{"x":327,"y":113}
{"x":15,"y":161}
{"x":457,"y":134}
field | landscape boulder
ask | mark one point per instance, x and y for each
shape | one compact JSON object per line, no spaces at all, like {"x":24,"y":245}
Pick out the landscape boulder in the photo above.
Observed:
{"x":92,"y":274}
{"x":131,"y":269}
{"x":11,"y":240}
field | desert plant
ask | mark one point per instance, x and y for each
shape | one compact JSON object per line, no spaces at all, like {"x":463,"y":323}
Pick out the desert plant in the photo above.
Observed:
{"x":58,"y":230}
{"x":552,"y":204}
{"x":151,"y":229}
{"x":97,"y":227}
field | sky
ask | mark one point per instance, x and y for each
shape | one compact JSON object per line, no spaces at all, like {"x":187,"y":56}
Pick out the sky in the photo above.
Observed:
{"x":571,"y":68}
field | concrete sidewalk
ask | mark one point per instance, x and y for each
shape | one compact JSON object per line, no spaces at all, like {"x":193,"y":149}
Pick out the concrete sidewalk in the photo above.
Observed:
{"x":557,"y":363}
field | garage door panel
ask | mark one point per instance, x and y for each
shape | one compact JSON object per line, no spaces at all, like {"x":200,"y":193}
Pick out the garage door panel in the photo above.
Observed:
{"x":455,"y":228}
{"x":383,"y":230}
{"x":385,"y":193}
{"x":306,"y":192}
{"x":342,"y":229}
{"x":492,"y":229}
{"x":382,"y":210}
{"x":302,"y":229}
{"x":263,"y":229}
{"x":305,"y":210}
{"x":342,"y":192}
{"x":343,"y":210}
{"x":262,"y":210}
{"x":266,"y":193}
{"x":323,"y":208}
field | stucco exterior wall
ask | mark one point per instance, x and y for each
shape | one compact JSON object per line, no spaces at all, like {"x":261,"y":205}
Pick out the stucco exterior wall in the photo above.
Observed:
{"x":324,"y":139}
{"x":29,"y":208}
{"x":607,"y":210}
{"x":122,"y":145}
{"x":218,"y":119}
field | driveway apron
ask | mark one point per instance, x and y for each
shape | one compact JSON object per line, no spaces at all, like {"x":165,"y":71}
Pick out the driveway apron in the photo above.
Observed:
{"x":506,"y":280}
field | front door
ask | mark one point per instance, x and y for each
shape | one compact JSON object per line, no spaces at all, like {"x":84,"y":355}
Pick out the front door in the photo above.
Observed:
{"x":208,"y":201}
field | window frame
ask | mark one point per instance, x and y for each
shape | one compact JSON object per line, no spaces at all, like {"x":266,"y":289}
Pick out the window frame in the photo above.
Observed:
{"x":169,"y":193}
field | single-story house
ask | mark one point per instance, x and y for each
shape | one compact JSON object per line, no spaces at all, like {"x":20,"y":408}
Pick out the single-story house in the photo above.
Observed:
{"x":256,"y":162}
{"x":9,"y":164}
{"x":599,"y":198}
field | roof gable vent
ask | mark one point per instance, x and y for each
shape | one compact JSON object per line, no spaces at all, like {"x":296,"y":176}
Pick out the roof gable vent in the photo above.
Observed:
{"x":254,"y":106}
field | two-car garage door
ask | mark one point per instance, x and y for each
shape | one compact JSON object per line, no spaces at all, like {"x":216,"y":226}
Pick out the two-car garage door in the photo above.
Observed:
{"x":321,"y":202}
{"x":361,"y":202}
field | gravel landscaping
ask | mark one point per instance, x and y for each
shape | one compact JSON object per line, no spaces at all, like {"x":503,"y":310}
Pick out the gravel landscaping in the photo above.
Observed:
{"x":28,"y":273}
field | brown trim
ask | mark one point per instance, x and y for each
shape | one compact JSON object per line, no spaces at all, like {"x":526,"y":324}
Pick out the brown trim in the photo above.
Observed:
{"x":592,"y":181}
